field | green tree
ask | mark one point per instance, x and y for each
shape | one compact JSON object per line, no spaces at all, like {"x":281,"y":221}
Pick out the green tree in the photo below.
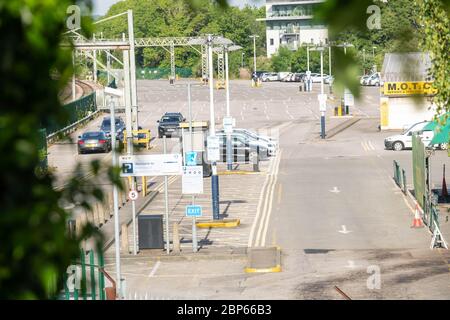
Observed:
{"x":281,"y":61}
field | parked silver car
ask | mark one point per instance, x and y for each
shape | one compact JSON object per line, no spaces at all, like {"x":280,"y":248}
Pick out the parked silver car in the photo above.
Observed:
{"x":94,"y":141}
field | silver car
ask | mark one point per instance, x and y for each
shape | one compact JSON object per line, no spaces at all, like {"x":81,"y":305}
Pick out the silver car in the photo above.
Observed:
{"x":94,"y":141}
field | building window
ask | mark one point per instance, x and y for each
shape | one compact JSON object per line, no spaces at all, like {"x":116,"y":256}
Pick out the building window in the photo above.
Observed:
{"x":271,"y":42}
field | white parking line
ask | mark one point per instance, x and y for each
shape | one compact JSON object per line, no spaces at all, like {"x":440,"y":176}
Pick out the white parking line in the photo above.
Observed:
{"x":155,"y":268}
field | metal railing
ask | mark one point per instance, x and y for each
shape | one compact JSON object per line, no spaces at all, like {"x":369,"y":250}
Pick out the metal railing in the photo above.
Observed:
{"x":400,"y":177}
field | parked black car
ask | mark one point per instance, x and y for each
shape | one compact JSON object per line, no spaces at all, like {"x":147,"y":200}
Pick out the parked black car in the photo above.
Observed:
{"x":120,"y":127}
{"x":169,"y":125}
{"x":94,"y":141}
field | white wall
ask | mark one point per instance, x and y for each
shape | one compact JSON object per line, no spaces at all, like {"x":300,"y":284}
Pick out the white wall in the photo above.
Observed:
{"x":405,"y":111}
{"x":275,"y":35}
{"x":319,"y":34}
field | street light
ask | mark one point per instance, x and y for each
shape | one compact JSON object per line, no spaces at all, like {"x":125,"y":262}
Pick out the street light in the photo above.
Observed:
{"x":116,"y":94}
{"x":322,"y":97}
{"x":345,"y":45}
{"x":211,"y":40}
{"x":243,"y":54}
{"x":373,"y":52}
{"x":254,"y":51}
{"x":226,"y":49}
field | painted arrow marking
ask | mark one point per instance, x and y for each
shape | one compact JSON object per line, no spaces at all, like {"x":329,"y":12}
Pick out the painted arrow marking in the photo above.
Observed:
{"x":344,"y":230}
{"x":335,"y":190}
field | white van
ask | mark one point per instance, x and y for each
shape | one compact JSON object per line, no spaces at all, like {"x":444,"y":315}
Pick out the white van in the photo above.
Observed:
{"x":404,"y":140}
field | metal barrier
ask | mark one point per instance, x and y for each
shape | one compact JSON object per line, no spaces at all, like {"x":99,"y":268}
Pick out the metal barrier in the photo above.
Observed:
{"x":79,"y":111}
{"x":400,"y":177}
{"x":87,"y":284}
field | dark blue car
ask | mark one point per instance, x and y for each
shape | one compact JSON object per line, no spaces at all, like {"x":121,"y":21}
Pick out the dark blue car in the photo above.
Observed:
{"x":120,"y":126}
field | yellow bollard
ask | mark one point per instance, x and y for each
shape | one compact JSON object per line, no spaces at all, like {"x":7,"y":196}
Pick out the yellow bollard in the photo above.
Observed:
{"x":144,"y":186}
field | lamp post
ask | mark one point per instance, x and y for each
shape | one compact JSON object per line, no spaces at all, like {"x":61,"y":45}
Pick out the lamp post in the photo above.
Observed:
{"x":226,"y":49}
{"x":115,"y":93}
{"x":322,"y":96}
{"x":373,"y":52}
{"x":209,"y":42}
{"x":254,"y":36}
{"x":243,"y":54}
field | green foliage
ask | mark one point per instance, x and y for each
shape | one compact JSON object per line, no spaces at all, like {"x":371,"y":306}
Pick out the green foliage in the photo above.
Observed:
{"x":436,"y":27}
{"x":181,"y":18}
{"x":281,"y":61}
{"x":36,"y":249}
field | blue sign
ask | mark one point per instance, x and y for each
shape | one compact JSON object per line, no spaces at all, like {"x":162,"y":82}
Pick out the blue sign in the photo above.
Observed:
{"x":191,"y":158}
{"x":193,"y":211}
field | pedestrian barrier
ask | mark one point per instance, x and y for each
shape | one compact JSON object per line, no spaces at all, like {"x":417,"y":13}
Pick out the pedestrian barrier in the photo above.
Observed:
{"x":400,"y":177}
{"x":85,"y":278}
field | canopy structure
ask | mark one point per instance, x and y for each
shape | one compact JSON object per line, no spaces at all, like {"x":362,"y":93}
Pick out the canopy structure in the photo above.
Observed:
{"x":441,"y":128}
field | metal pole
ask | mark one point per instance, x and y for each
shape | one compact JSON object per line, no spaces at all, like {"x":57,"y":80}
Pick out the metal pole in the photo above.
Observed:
{"x":307,"y":58}
{"x":132,"y":71}
{"x":329,"y":60}
{"x":194,"y":221}
{"x":95,"y":61}
{"x":126,"y":65}
{"x":227,"y":85}
{"x":115,"y":202}
{"x":133,"y":212}
{"x":108,"y":66}
{"x":242,"y":60}
{"x":166,"y":200}
{"x":254,"y":53}
{"x":322,"y":113}
{"x":212,"y":130}
{"x":73,"y":78}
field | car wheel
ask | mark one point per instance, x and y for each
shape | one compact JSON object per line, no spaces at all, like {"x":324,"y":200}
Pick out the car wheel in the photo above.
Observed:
{"x":397,"y":146}
{"x":443,"y":146}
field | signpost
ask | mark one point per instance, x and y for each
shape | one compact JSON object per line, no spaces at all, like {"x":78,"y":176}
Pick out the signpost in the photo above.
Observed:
{"x":192,"y":180}
{"x":193,"y":211}
{"x":150,"y":165}
{"x":213,"y":148}
{"x":228,"y":124}
{"x":191,"y":158}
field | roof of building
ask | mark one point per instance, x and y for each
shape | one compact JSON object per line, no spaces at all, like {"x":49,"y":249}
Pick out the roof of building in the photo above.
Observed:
{"x":412,"y":66}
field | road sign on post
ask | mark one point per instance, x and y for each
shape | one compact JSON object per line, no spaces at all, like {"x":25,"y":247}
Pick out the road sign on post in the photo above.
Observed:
{"x":191,"y":158}
{"x":322,"y":102}
{"x":192,"y":180}
{"x":228,"y":124}
{"x":193,"y":211}
{"x":213,"y":148}
{"x":133,"y":195}
{"x":150,"y":165}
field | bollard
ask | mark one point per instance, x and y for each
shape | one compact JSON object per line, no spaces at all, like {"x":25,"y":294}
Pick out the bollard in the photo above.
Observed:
{"x":176,"y":239}
{"x":124,"y":239}
{"x":144,"y":186}
{"x":101,"y":213}
{"x":95,"y":216}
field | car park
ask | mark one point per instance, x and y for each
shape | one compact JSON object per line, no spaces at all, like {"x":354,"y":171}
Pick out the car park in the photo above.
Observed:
{"x":94,"y":141}
{"x":169,"y":124}
{"x":317,"y":77}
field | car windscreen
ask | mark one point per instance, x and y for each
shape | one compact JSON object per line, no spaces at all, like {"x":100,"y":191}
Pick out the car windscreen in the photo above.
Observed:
{"x":93,"y":135}
{"x":107,"y":123}
{"x":170,"y":119}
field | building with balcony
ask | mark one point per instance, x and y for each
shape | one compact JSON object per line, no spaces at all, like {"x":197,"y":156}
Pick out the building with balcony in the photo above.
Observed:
{"x":290,"y":23}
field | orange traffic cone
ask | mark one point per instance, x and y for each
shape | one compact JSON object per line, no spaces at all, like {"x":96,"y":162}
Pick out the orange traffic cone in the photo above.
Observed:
{"x":417,"y":222}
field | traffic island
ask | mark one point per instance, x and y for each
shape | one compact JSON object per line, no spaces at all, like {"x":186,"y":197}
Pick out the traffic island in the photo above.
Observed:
{"x":225,"y":223}
{"x":264,"y":260}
